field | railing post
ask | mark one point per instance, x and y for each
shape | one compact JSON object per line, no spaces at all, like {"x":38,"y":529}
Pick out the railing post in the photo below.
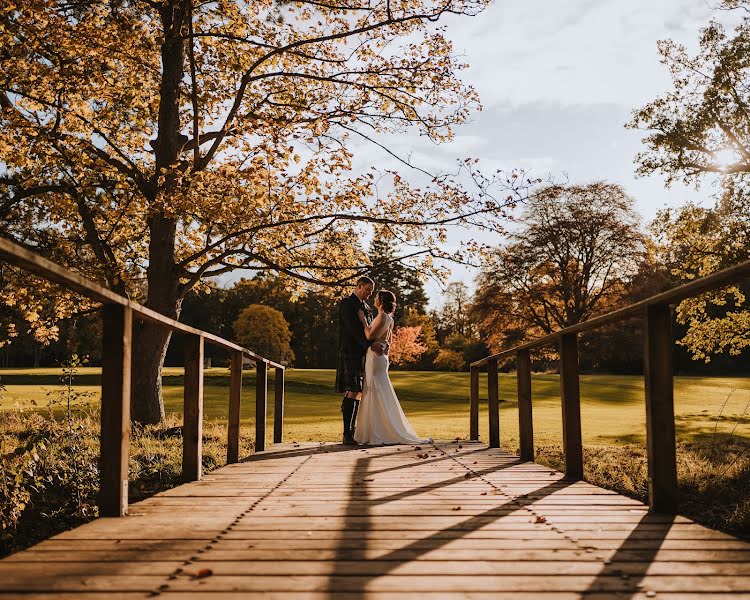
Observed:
{"x":115,"y":415}
{"x":192,"y":429}
{"x":660,"y":428}
{"x":278,"y":406}
{"x":474,"y":405}
{"x":235,"y":397}
{"x":493,"y":401}
{"x":571,"y":406}
{"x":525,"y":422}
{"x":261,"y":402}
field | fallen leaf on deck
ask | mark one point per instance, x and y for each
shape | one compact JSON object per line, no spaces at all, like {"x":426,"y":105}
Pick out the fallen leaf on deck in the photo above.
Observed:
{"x":456,"y":508}
{"x":540,"y":520}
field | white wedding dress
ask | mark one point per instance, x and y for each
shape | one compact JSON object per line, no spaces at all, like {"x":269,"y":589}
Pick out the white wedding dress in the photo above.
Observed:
{"x":380,"y":419}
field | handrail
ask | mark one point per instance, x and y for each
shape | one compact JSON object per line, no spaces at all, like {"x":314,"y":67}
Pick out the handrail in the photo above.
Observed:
{"x":20,"y":256}
{"x":659,"y":387}
{"x":118,"y":314}
{"x":673,"y":296}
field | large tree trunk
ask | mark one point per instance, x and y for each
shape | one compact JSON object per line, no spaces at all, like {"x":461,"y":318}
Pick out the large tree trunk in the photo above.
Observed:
{"x":151,"y":341}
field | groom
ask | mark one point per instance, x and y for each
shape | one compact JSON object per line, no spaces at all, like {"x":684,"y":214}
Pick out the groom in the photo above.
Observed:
{"x":350,"y":360}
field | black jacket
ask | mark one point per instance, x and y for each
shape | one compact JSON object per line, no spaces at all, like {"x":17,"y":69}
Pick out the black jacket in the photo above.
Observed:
{"x":352,"y":338}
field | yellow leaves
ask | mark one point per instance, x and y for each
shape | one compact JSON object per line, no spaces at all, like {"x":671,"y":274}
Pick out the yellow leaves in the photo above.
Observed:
{"x":280,"y":188}
{"x":33,"y":305}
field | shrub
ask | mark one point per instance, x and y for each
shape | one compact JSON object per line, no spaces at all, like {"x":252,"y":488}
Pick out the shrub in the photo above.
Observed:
{"x":264,"y":330}
{"x":449,"y":360}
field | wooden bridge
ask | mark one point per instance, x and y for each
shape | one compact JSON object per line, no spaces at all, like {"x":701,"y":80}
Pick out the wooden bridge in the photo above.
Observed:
{"x":446,"y":520}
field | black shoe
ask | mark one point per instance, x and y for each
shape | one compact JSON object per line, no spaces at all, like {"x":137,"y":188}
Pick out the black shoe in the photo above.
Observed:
{"x":349,"y":441}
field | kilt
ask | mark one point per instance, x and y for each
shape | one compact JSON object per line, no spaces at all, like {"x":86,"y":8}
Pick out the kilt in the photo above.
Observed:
{"x":350,"y":370}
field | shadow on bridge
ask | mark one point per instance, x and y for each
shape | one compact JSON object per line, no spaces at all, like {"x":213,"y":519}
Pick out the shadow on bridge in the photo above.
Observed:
{"x":658,"y":528}
{"x":420,"y":547}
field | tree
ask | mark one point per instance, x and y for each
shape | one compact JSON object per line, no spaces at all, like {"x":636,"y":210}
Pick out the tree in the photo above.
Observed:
{"x":702,"y":127}
{"x":155,"y":143}
{"x":264,"y":330}
{"x":315,"y":329}
{"x":427,"y":337}
{"x":618,"y":347}
{"x":390,"y":273}
{"x":453,"y":316}
{"x":265,"y":289}
{"x":449,"y":360}
{"x":406,"y":347}
{"x":472,"y":348}
{"x":697,"y":241}
{"x":570,"y":259}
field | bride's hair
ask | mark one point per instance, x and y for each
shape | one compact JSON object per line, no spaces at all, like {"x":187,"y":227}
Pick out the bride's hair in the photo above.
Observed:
{"x":387,"y":300}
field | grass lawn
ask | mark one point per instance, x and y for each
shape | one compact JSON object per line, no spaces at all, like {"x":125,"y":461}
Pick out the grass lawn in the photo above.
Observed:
{"x":612,"y":407}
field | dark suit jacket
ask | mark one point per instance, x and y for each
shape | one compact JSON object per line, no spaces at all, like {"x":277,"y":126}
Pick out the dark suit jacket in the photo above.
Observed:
{"x":352,"y":338}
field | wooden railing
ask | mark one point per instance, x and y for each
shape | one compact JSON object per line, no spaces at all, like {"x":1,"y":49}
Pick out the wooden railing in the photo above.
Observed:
{"x":118,"y":314}
{"x":658,"y":373}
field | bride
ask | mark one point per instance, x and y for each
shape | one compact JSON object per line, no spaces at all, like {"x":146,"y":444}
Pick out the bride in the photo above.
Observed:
{"x":380,"y":419}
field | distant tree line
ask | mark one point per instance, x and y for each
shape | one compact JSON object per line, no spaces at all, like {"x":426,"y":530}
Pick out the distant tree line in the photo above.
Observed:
{"x":577,"y":251}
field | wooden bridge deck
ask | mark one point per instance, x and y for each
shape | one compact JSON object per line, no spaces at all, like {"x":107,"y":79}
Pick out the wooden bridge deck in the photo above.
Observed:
{"x":326,"y":521}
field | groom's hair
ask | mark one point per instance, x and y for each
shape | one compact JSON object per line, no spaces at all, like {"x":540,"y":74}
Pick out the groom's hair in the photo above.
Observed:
{"x":365,"y":280}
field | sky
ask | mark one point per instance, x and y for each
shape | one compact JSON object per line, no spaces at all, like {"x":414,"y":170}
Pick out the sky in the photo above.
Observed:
{"x":558,"y":80}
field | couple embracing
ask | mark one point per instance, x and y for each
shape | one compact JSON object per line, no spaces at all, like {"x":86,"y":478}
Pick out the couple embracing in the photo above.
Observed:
{"x":362,"y":371}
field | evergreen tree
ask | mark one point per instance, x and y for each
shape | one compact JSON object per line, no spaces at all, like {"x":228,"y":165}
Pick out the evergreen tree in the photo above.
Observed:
{"x":391,"y":274}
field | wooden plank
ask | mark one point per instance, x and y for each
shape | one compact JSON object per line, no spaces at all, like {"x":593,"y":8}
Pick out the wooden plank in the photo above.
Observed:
{"x":364,"y":595}
{"x":278,"y":407}
{"x":192,"y":430}
{"x":378,"y":521}
{"x":493,"y":404}
{"x":525,"y":418}
{"x":235,"y":398}
{"x":261,"y":405}
{"x":398,"y":553}
{"x":403,"y":584}
{"x":571,"y":406}
{"x":374,"y":567}
{"x":660,"y":428}
{"x":115,"y":410}
{"x":474,"y":404}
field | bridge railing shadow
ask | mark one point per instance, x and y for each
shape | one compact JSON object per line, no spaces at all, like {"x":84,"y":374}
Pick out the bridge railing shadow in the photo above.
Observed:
{"x":390,"y":561}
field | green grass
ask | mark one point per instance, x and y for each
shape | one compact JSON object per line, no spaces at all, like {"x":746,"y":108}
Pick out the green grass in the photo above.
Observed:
{"x":612,"y":407}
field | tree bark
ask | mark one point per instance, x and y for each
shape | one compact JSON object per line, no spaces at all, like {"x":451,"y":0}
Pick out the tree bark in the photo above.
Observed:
{"x":151,"y":341}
